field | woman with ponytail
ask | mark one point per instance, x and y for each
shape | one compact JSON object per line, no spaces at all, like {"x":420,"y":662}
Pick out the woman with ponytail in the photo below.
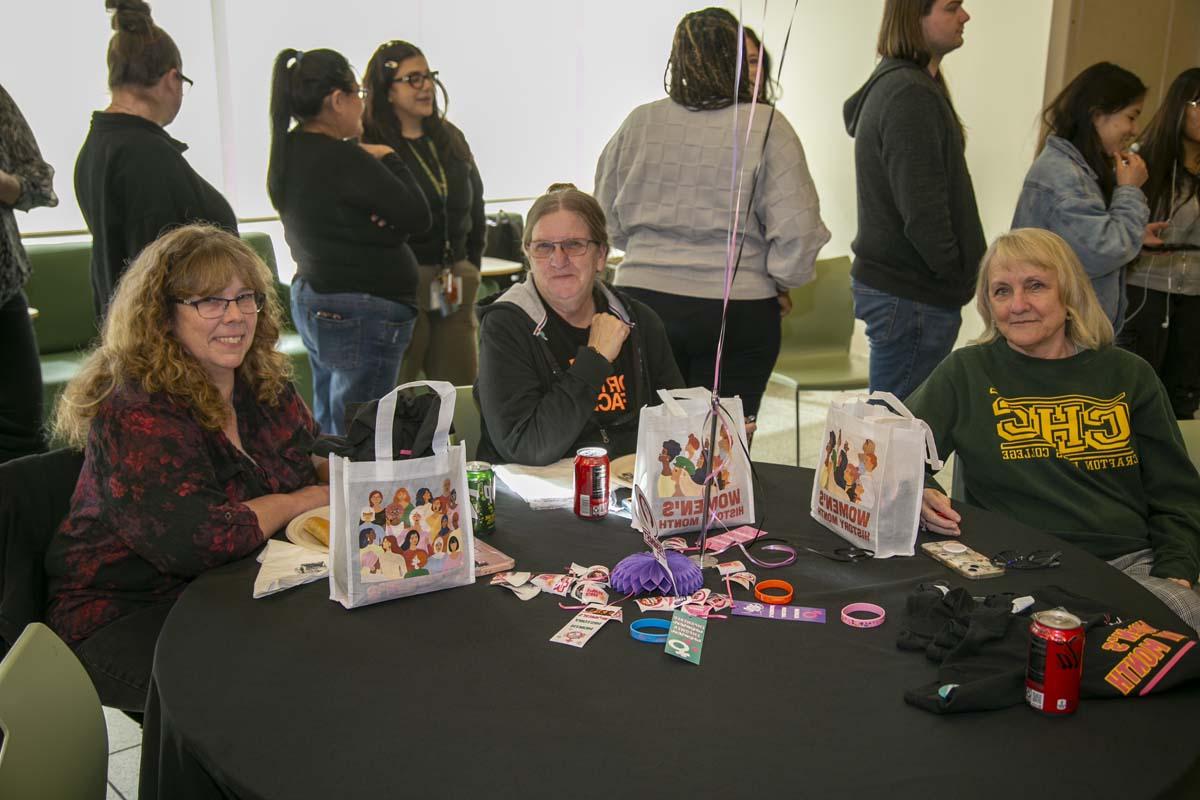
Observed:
{"x":347,"y":210}
{"x":402,"y":112}
{"x":131,"y":179}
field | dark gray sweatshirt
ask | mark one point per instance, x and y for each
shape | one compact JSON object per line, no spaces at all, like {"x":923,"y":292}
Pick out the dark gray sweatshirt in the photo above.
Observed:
{"x":919,"y":235}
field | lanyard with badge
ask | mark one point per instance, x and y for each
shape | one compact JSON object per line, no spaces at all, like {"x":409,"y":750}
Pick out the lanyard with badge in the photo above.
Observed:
{"x":445,"y":292}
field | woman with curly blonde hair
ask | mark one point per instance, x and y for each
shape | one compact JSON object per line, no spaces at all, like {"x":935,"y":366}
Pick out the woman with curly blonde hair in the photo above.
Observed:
{"x":196,"y":449}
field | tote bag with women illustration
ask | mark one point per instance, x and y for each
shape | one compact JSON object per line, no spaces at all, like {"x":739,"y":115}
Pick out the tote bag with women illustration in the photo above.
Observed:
{"x":871,"y":475}
{"x":398,"y":528}
{"x":676,"y":458}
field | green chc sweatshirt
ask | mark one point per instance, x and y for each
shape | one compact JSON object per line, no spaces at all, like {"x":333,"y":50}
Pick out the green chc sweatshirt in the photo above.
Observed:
{"x":1084,"y":447}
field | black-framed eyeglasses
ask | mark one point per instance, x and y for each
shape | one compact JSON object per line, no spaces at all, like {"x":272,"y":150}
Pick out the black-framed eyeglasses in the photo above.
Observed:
{"x":1038,"y":559}
{"x":215,"y":307}
{"x":544,"y":249}
{"x":417,"y":79}
{"x":186,"y":82}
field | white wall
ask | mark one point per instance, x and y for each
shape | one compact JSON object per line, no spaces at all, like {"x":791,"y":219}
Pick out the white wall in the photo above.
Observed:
{"x":538,"y":86}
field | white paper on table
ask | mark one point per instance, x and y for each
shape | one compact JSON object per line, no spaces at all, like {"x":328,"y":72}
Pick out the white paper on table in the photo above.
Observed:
{"x":281,"y":567}
{"x":551,"y":486}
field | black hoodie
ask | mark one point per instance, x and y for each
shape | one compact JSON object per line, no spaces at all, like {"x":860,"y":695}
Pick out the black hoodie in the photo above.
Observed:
{"x":535,"y":412}
{"x":919,"y":235}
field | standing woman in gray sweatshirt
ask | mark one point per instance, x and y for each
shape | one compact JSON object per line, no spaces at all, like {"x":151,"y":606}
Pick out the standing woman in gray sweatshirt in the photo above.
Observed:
{"x":664,"y":182}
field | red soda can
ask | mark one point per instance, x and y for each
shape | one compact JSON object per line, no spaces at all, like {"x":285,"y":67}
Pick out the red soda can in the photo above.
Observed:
{"x":591,"y":483}
{"x":1055,"y":665}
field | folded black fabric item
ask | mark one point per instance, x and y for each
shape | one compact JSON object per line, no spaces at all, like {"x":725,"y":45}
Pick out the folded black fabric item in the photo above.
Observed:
{"x":982,"y":648}
{"x":413,"y":427}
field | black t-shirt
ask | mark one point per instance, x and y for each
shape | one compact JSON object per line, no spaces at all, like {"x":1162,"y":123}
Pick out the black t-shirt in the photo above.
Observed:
{"x":565,"y":340}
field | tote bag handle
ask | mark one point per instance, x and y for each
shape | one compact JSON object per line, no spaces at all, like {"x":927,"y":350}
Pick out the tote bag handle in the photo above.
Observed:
{"x":385,"y":416}
{"x":898,"y":407}
{"x":671,"y":398}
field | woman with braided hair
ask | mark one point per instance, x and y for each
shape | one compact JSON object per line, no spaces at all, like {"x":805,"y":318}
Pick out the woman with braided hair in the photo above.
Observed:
{"x":664,"y":181}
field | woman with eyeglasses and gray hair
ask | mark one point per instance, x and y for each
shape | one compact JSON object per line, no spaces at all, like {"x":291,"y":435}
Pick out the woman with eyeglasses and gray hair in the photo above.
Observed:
{"x":402,"y":112}
{"x":566,"y":361}
{"x":347,"y":210}
{"x":196,"y":449}
{"x":131,"y":179}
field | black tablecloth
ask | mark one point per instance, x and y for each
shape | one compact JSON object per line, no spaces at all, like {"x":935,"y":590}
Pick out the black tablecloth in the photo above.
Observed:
{"x":460,"y":692}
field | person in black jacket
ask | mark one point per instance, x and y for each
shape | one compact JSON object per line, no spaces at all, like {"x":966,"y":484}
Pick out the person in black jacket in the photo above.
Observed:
{"x":131,"y":179}
{"x":347,"y":210}
{"x":565,"y":361}
{"x":402,"y":112}
{"x":919,"y":237}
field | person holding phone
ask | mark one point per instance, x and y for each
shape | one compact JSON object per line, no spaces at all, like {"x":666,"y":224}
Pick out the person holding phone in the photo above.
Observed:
{"x":1085,"y":185}
{"x":402,"y":112}
{"x":1163,"y":321}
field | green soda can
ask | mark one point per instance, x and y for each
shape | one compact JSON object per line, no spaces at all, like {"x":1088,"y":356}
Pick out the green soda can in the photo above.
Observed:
{"x":481,"y":485}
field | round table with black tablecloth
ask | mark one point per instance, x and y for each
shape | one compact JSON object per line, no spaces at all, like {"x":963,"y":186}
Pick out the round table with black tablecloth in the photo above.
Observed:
{"x":459,"y":693}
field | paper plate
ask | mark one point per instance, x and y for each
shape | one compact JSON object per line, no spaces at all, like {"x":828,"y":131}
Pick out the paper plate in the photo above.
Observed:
{"x":296,"y":534}
{"x":621,"y":471}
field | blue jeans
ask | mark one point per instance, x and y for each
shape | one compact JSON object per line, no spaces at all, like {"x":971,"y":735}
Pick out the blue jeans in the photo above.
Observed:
{"x":908,"y":339}
{"x":355,"y":343}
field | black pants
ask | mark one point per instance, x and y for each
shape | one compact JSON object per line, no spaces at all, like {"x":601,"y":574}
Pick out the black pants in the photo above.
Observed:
{"x":20,"y":383}
{"x":120,"y":656}
{"x":1173,"y":351}
{"x":752,"y":338}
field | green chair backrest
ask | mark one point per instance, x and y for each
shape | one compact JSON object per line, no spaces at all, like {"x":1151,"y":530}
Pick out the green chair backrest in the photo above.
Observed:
{"x":822,"y":317}
{"x":466,"y":419}
{"x":55,"y":738}
{"x":261,"y":242}
{"x":60,"y":288}
{"x":1190,"y":428}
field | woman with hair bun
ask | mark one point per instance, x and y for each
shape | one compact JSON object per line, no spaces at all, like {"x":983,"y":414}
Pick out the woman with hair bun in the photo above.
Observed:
{"x":347,"y":210}
{"x":664,"y":183}
{"x":131,"y":179}
{"x":196,"y":449}
{"x":402,"y":112}
{"x":565,"y":361}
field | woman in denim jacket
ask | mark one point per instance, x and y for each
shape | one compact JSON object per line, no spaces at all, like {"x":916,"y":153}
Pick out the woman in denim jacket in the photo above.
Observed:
{"x":1085,"y":186}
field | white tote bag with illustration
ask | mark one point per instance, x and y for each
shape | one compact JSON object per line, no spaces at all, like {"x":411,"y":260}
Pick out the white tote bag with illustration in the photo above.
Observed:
{"x":422,"y":540}
{"x":871,"y":474}
{"x":675,"y":458}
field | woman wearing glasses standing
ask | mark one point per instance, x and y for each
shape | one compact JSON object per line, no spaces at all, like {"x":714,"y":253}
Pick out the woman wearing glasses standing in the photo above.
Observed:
{"x":664,"y":182}
{"x":196,"y":449}
{"x":402,"y":112}
{"x":347,"y":210}
{"x":565,"y":361}
{"x":131,"y":179}
{"x":1163,"y":321}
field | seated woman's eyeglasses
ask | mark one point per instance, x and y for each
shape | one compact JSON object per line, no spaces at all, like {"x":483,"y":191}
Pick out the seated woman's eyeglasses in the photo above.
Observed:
{"x":1038,"y":559}
{"x":542,"y":250}
{"x":214,"y":307}
{"x":417,"y":79}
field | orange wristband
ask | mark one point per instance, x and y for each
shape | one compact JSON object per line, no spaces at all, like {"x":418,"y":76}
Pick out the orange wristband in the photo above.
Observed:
{"x":774,"y":599}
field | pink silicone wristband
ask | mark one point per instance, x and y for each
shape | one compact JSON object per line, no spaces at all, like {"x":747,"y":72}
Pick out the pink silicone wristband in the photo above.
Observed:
{"x":869,"y":622}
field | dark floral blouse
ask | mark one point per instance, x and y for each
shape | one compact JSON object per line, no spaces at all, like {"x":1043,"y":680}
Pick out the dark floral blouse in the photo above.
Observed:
{"x":160,"y":500}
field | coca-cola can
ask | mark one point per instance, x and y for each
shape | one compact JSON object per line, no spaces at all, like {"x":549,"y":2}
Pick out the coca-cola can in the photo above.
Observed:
{"x":1055,"y":665}
{"x":591,"y":483}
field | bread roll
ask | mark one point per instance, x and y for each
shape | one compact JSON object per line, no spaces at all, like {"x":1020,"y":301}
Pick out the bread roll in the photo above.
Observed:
{"x":318,"y":528}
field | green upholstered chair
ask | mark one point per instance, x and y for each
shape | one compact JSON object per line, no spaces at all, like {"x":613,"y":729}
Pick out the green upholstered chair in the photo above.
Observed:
{"x":1190,"y":428}
{"x":60,"y":288}
{"x":289,"y":341}
{"x":815,"y":353}
{"x":466,"y":419}
{"x":55,"y":738}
